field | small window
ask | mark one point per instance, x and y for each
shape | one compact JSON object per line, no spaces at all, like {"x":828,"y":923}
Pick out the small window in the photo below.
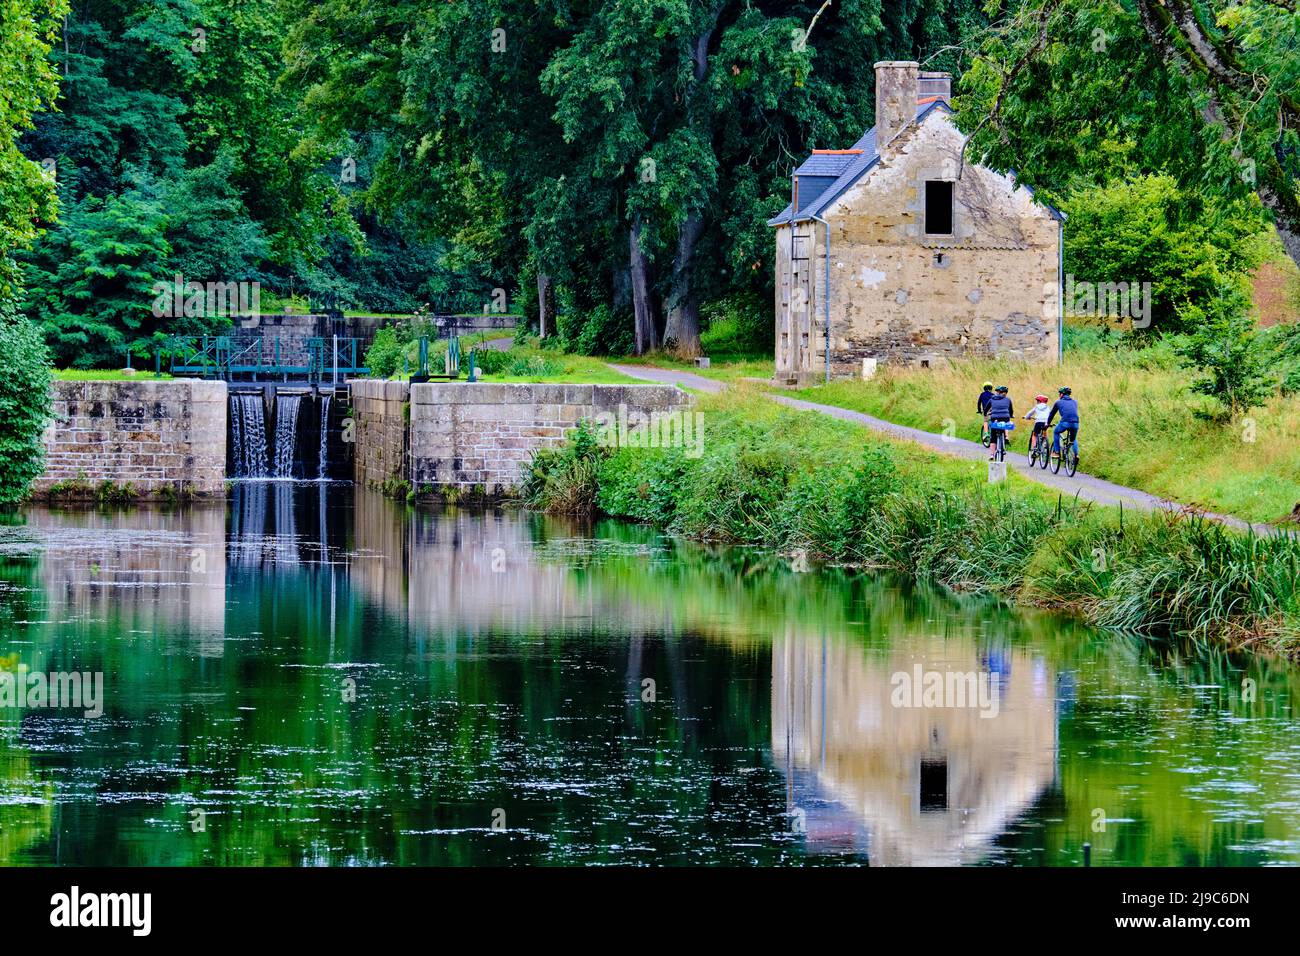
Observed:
{"x":938,"y":207}
{"x":934,"y":784}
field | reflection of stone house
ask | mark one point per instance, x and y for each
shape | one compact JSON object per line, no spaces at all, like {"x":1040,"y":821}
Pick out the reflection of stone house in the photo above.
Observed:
{"x":926,"y":786}
{"x":929,"y":259}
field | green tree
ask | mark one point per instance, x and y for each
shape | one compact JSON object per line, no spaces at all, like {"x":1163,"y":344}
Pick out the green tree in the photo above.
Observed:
{"x":90,"y":282}
{"x":1147,"y":229}
{"x":28,"y":83}
{"x":629,"y":152}
{"x":24,"y":406}
{"x":1203,"y":89}
{"x":1226,"y":345}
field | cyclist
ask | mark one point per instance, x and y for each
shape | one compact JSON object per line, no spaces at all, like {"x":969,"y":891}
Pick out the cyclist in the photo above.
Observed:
{"x":1000,"y":410}
{"x":1039,"y":414}
{"x":1068,"y":409}
{"x":982,"y":407}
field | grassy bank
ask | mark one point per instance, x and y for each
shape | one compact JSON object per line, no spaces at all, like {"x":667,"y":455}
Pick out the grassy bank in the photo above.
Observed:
{"x":103,"y":375}
{"x":810,"y":486}
{"x":1141,"y":425}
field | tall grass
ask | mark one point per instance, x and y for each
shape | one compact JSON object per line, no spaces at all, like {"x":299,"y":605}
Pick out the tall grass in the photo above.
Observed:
{"x":797,"y":482}
{"x":1142,"y":427}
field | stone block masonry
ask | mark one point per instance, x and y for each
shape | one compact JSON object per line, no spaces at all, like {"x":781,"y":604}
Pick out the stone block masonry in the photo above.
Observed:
{"x":380,"y":419}
{"x":483,"y":434}
{"x":148,"y":437}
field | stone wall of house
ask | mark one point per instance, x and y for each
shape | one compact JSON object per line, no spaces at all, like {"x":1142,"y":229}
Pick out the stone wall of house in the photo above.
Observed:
{"x":483,"y":434}
{"x":380,"y":416}
{"x":900,"y":296}
{"x":156,"y":436}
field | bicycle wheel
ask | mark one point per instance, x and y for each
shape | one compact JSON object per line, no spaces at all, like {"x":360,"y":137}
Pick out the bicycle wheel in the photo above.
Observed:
{"x":1045,"y":451}
{"x":986,"y":436}
{"x":1056,"y":463}
{"x":1072,"y":461}
{"x":1002,"y":445}
{"x":1033,"y":452}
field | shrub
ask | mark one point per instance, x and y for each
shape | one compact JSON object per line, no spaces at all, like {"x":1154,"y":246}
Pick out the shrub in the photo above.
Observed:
{"x":492,"y":361}
{"x":24,"y":407}
{"x":738,"y":324}
{"x":533,"y":366}
{"x":1226,"y":345}
{"x":643,"y":484}
{"x":384,"y":357}
{"x":564,"y":480}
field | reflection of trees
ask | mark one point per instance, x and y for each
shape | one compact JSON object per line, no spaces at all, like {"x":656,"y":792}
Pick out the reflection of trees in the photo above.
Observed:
{"x":520,"y":688}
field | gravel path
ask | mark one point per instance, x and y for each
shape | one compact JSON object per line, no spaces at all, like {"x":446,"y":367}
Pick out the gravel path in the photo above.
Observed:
{"x":1087,"y":487}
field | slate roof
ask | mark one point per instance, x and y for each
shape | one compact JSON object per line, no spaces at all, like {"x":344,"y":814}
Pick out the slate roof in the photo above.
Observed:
{"x":850,"y":172}
{"x":851,"y":168}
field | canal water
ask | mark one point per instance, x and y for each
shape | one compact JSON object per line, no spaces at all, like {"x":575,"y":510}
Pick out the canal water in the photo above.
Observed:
{"x":312,"y":674}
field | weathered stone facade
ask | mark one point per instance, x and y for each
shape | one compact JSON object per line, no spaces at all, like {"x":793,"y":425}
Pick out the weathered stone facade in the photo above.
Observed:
{"x":380,"y":416}
{"x":898,"y":294}
{"x":483,"y":434}
{"x":147,"y":437}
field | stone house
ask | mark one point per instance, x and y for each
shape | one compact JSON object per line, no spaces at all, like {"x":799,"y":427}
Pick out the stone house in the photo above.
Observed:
{"x":929,"y":259}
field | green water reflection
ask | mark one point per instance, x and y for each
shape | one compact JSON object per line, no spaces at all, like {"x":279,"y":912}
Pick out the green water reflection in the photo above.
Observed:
{"x":500,"y":664}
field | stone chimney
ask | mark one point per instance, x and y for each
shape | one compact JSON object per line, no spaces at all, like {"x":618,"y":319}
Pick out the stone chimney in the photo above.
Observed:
{"x":935,"y":84}
{"x":896,"y":86}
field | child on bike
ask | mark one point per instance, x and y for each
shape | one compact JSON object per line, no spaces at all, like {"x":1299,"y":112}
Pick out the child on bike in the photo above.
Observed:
{"x":1039,"y":414}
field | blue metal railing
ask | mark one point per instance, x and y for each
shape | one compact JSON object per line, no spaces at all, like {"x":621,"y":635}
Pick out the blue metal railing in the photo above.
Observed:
{"x":259,"y":357}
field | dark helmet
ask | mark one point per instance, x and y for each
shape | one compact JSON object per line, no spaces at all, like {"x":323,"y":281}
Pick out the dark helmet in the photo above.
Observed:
{"x":1064,"y":390}
{"x":1002,"y":389}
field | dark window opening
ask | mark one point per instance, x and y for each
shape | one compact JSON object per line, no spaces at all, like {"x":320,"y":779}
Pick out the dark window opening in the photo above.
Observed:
{"x":938,"y":208}
{"x":934,"y":784}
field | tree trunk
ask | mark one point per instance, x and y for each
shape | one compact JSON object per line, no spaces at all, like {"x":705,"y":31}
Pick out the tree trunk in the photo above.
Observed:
{"x":545,"y":304}
{"x":682,"y":331}
{"x":645,"y":323}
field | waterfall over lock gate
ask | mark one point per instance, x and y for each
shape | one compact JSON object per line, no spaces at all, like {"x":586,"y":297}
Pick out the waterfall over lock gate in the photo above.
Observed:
{"x":287,"y":406}
{"x":248,"y":435}
{"x":322,"y":469}
{"x":275,"y":442}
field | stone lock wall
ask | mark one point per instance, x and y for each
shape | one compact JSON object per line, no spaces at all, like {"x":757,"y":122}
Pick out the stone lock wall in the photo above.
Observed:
{"x":154,"y":435}
{"x":380,"y":415}
{"x":483,"y":434}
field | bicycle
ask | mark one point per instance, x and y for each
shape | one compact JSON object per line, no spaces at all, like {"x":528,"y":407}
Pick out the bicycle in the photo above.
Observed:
{"x":1000,"y":451}
{"x":986,"y":435}
{"x":1069,"y":455}
{"x":1040,"y":449}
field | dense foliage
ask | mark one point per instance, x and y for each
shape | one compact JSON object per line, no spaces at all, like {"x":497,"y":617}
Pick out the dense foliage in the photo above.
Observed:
{"x":177,"y":151}
{"x":623,"y":156}
{"x":1073,"y":92}
{"x":27,"y":84}
{"x":24,"y":406}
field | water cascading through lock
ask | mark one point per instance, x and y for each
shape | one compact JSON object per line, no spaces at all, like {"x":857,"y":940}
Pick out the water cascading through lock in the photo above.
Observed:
{"x":287,"y":406}
{"x":322,"y":472}
{"x":248,"y":435}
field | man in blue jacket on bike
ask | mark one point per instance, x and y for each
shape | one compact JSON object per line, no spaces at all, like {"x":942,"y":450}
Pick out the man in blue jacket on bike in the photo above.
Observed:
{"x":1068,"y":409}
{"x":999,"y":410}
